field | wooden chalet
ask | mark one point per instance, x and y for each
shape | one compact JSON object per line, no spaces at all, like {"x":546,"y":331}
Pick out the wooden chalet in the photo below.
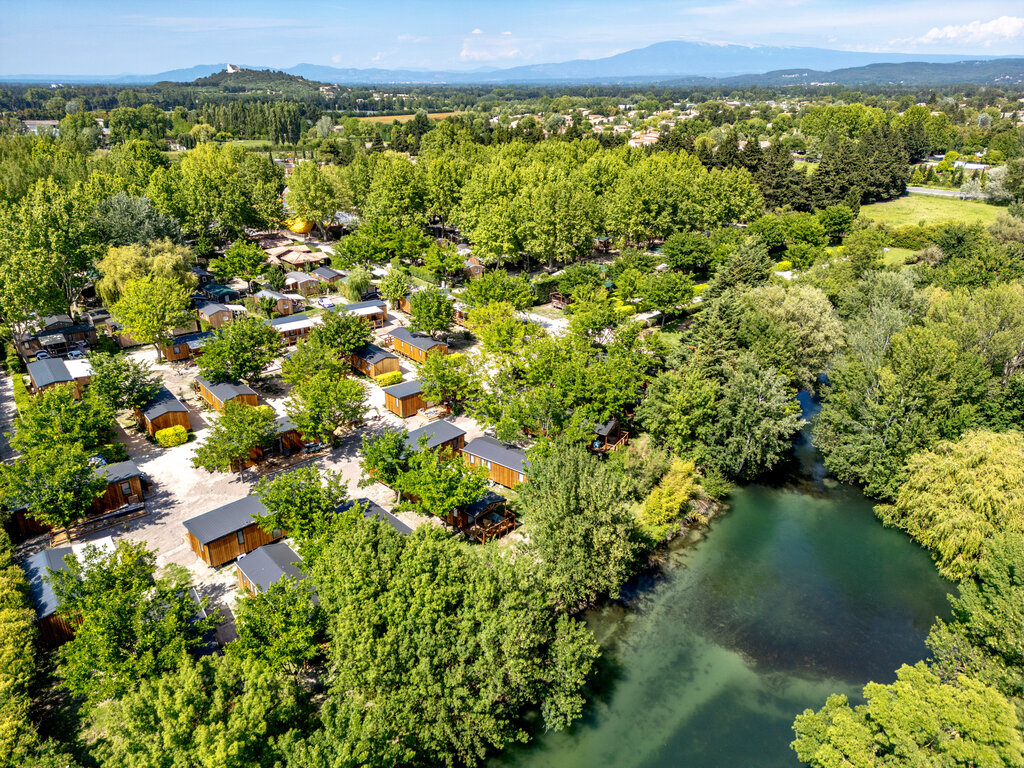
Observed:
{"x":504,"y":463}
{"x":53,"y":629}
{"x":416,"y":346}
{"x":57,"y":335}
{"x":124,"y":486}
{"x":224,"y":533}
{"x":328,"y":276}
{"x":267,"y":565}
{"x":220,"y":293}
{"x":301,"y":282}
{"x":404,"y":399}
{"x":474,"y":267}
{"x":372,"y":361}
{"x":283,"y":305}
{"x":217,"y":395}
{"x":608,"y":437}
{"x":186,"y":347}
{"x":162,"y":412}
{"x":292,"y":327}
{"x":52,"y":372}
{"x":214,"y":313}
{"x":374,"y":312}
{"x":203,"y":277}
{"x":289,"y":440}
{"x":115,"y":331}
{"x":440,"y":434}
{"x":485,"y":519}
{"x":373,"y":511}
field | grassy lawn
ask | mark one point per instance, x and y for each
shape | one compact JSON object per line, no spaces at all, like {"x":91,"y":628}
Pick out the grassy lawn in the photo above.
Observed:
{"x":930,"y":209}
{"x":546,"y":310}
{"x":897,"y":257}
{"x":252,"y":143}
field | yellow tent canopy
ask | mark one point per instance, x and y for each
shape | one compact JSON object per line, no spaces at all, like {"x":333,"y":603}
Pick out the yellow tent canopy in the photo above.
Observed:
{"x":299,"y":226}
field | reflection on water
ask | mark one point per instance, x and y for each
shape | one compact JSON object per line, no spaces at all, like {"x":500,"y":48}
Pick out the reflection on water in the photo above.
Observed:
{"x":796,"y":593}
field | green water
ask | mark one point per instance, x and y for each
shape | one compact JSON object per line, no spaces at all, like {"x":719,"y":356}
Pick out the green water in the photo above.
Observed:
{"x":795,"y":593}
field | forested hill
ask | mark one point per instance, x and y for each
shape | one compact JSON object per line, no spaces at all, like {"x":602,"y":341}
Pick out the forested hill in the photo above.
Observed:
{"x":1002,"y":72}
{"x":266,"y":81}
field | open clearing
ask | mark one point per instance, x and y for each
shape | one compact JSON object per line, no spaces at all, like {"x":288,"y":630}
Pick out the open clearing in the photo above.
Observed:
{"x":929,"y":209}
{"x":404,"y":118}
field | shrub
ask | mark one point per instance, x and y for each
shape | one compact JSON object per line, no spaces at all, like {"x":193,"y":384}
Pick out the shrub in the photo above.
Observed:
{"x":424,"y":274}
{"x":14,"y":363}
{"x":784,"y":266}
{"x":542,"y":287}
{"x":17,"y":651}
{"x":22,"y":399}
{"x":112,"y":453}
{"x":389,"y":379}
{"x":172,"y":436}
{"x":699,"y":288}
{"x":626,"y":309}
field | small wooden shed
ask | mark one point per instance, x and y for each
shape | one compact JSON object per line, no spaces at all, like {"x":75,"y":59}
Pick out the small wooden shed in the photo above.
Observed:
{"x":124,"y":486}
{"x":283,"y":305}
{"x":372,"y":361}
{"x":219,"y":394}
{"x":416,"y":346}
{"x":504,"y":463}
{"x":292,"y":328}
{"x":185,"y":347}
{"x":162,"y":412}
{"x":54,"y":371}
{"x":214,"y":313}
{"x":224,"y":533}
{"x":404,"y":399}
{"x":440,"y":434}
{"x":267,"y":565}
{"x":327,"y":275}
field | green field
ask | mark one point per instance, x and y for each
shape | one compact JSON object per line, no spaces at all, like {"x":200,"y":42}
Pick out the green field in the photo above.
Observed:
{"x":897,"y":257}
{"x":930,"y":209}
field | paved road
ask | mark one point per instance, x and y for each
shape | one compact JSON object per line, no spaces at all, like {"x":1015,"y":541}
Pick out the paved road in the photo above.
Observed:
{"x":7,"y":414}
{"x":942,"y":193}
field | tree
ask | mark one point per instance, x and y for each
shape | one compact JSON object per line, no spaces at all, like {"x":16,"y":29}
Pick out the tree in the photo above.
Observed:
{"x":123,"y":220}
{"x":918,"y":720}
{"x":277,"y":628}
{"x":303,"y":502}
{"x":836,"y":220}
{"x":240,"y":351}
{"x":688,"y":251}
{"x":311,"y":195}
{"x":669,"y":503}
{"x":394,"y":286}
{"x":431,"y":311}
{"x":212,"y":713}
{"x":133,"y":624}
{"x":240,"y":430}
{"x":747,"y":267}
{"x":441,"y":481}
{"x":444,"y":260}
{"x":959,"y":495}
{"x":384,"y":458}
{"x":322,"y":403}
{"x":151,"y":308}
{"x":680,"y":409}
{"x":121,"y":382}
{"x":357,"y":284}
{"x":56,"y":417}
{"x":666,"y":292}
{"x":242,"y":259}
{"x":56,"y":483}
{"x":582,"y":532}
{"x":342,"y":332}
{"x":500,"y":329}
{"x":496,"y":285}
{"x":757,"y":420}
{"x":312,"y":357}
{"x":450,"y":379}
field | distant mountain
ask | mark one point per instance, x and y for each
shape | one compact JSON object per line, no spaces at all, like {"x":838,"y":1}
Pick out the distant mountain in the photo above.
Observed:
{"x":1004,"y":72}
{"x":676,"y":60}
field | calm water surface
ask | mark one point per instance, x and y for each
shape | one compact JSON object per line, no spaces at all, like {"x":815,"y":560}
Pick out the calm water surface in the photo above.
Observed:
{"x":795,"y":593}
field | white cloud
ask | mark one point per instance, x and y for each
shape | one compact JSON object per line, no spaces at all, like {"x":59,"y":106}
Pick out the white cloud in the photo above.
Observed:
{"x":506,"y":33}
{"x":407,"y":38}
{"x":378,"y":56}
{"x":477,"y":31}
{"x":336,"y":58}
{"x":481,"y":47}
{"x":984,"y":32}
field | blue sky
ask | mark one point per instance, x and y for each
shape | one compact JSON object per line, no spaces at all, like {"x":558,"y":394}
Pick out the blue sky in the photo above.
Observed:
{"x":96,"y":37}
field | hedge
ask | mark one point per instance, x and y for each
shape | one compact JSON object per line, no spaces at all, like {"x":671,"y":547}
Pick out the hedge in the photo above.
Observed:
{"x":14,"y":363}
{"x":699,"y":288}
{"x":389,"y":379}
{"x":22,"y":399}
{"x":784,"y":266}
{"x":17,"y":659}
{"x":542,"y":287}
{"x":172,"y":436}
{"x":425,"y":274}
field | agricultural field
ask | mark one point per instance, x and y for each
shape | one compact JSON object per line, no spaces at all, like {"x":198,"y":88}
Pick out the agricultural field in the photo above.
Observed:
{"x":930,"y":209}
{"x":404,"y":118}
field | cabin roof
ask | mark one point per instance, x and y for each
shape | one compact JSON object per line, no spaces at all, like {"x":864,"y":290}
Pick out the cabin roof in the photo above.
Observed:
{"x":375,"y":304}
{"x":115,"y":473}
{"x":225,"y":390}
{"x":374,"y":511}
{"x":225,"y":520}
{"x":405,"y":389}
{"x":36,"y":567}
{"x":211,"y":308}
{"x":163,"y":402}
{"x":219,"y":290}
{"x":326,"y":273}
{"x":373,"y":354}
{"x":47,"y":372}
{"x":481,"y":505}
{"x":437,"y":433}
{"x":299,"y":277}
{"x":191,"y":340}
{"x":419,"y":340}
{"x":269,"y":564}
{"x":497,"y":452}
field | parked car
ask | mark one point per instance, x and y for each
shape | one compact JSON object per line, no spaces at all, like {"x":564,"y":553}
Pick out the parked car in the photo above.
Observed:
{"x":76,"y":354}
{"x":325,"y":303}
{"x":42,"y":355}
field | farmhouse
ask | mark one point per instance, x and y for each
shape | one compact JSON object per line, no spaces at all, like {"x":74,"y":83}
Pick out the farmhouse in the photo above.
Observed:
{"x":372,"y":361}
{"x":224,"y":533}
{"x":374,"y":312}
{"x":503,"y":462}
{"x":264,"y":567}
{"x":404,"y":399}
{"x":185,"y":347}
{"x":223,"y":392}
{"x":162,"y":412}
{"x":49,"y":373}
{"x":416,"y":346}
{"x":292,"y":328}
{"x":373,"y":511}
{"x":53,"y":629}
{"x":439,"y":434}
{"x":328,"y":275}
{"x":124,"y":486}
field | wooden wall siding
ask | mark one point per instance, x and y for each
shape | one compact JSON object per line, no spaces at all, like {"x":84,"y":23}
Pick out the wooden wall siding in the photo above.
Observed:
{"x":415,"y":353}
{"x":227,"y":548}
{"x":217,"y":405}
{"x":498,"y":473}
{"x":54,"y":631}
{"x":387,"y":365}
{"x":456,"y":444}
{"x":23,"y":526}
{"x":184,"y":352}
{"x":291,"y":442}
{"x":166,"y":420}
{"x":407,"y":406}
{"x":403,"y":304}
{"x":293,"y":335}
{"x":218,"y":319}
{"x":243,"y":583}
{"x":115,"y":498}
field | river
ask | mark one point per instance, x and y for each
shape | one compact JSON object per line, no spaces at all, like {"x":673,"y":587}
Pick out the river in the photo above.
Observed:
{"x":796,"y":592}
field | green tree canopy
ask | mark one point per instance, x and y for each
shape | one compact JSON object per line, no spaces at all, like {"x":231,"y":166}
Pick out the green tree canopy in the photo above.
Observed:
{"x":240,"y":351}
{"x":239,"y":431}
{"x":431,"y":310}
{"x":151,"y":308}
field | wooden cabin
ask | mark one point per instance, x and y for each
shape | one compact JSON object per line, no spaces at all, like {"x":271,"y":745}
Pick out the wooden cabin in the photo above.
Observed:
{"x":283,"y":305}
{"x":503,"y":462}
{"x":485,"y":519}
{"x":20,"y":525}
{"x":374,"y":511}
{"x":404,"y":399}
{"x":214,"y":313}
{"x":372,"y":361}
{"x":474,"y":267}
{"x":223,"y":392}
{"x":186,"y":347}
{"x":328,"y":276}
{"x":224,"y":533}
{"x":416,"y":346}
{"x":57,"y":335}
{"x":440,"y":434}
{"x":162,"y":412}
{"x":374,"y":312}
{"x":267,"y":565}
{"x":52,"y":372}
{"x":289,"y":440}
{"x":292,"y":328}
{"x":608,"y":437}
{"x":220,"y":293}
{"x":124,"y":486}
{"x":301,"y":282}
{"x":54,"y":630}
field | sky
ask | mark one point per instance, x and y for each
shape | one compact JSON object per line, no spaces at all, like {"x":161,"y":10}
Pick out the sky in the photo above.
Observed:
{"x":141,"y":37}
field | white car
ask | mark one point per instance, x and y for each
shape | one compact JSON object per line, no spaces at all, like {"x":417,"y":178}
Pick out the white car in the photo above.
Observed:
{"x":42,"y":355}
{"x":76,"y":354}
{"x":325,"y":303}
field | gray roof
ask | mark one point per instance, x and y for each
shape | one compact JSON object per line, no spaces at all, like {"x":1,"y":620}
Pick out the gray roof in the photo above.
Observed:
{"x":163,"y":402}
{"x":405,"y":389}
{"x":418,"y":340}
{"x":607,"y":428}
{"x":373,"y":354}
{"x":115,"y":473}
{"x":478,"y":507}
{"x":54,"y":319}
{"x":223,"y":521}
{"x":270,"y":563}
{"x":365,"y":304}
{"x":191,"y":340}
{"x":47,"y":372}
{"x":437,"y":433}
{"x":299,"y":277}
{"x":268,"y":294}
{"x":287,"y":319}
{"x":374,"y":511}
{"x":285,"y":424}
{"x":225,"y":390}
{"x":211,"y":308}
{"x":326,"y":273}
{"x":39,"y":588}
{"x":497,"y":452}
